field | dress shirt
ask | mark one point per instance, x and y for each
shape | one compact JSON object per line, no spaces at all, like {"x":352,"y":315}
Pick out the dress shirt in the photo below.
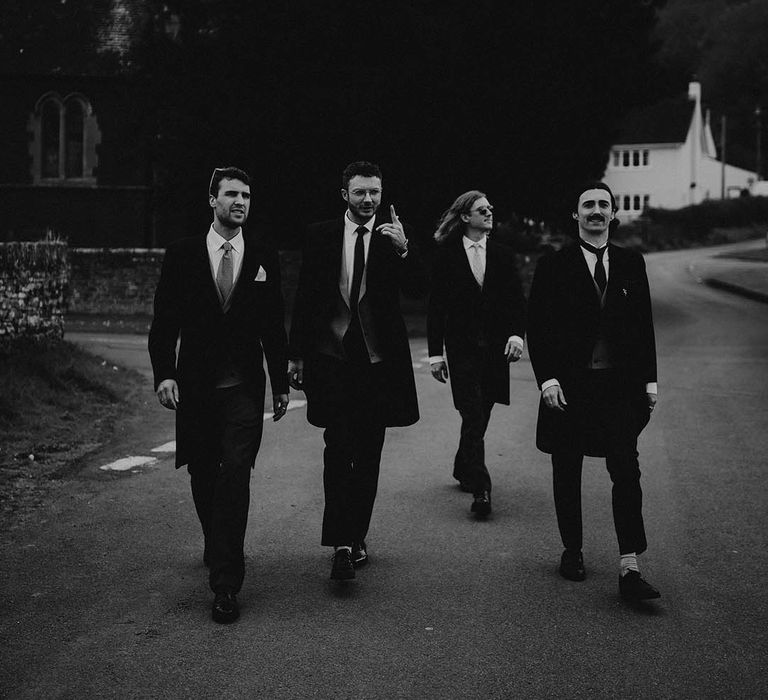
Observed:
{"x":482,"y":243}
{"x":214,"y":241}
{"x":591,"y":260}
{"x":350,"y":236}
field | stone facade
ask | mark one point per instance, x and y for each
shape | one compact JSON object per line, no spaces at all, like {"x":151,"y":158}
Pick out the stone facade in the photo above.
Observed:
{"x":34,"y":278}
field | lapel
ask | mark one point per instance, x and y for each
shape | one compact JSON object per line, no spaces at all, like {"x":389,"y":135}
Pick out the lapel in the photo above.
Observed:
{"x":202,"y":274}
{"x":491,"y":266}
{"x":337,"y":268}
{"x":583,"y":282}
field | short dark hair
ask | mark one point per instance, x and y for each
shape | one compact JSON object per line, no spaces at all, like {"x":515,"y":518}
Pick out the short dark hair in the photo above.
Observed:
{"x":593,"y":185}
{"x":227,"y":173}
{"x":359,"y":167}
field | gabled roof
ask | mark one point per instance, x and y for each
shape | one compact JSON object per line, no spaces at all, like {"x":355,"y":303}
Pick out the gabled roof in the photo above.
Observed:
{"x":667,"y":121}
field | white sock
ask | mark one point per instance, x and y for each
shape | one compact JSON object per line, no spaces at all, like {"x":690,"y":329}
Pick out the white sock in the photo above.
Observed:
{"x":628,"y":562}
{"x":347,"y":547}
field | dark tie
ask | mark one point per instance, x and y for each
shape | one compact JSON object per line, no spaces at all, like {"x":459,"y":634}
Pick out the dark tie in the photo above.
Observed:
{"x":600,"y":277}
{"x":357,"y":269}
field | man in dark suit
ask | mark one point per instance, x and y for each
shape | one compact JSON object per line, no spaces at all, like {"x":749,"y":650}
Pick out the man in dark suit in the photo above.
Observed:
{"x":221,"y":295}
{"x":592,"y":348}
{"x":477,"y":309}
{"x":349,"y":352}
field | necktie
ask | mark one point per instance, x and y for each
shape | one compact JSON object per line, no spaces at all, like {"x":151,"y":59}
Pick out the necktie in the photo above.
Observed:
{"x":224,"y":274}
{"x":600,"y":277}
{"x":477,"y":264}
{"x":357,"y":269}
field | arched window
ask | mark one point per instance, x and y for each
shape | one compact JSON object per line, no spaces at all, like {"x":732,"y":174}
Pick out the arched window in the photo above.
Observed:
{"x":50,"y":136}
{"x":65,"y":136}
{"x":74,"y":123}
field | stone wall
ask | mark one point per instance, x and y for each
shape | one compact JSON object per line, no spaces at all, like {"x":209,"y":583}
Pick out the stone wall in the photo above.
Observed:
{"x":119,"y":281}
{"x":33,"y":286}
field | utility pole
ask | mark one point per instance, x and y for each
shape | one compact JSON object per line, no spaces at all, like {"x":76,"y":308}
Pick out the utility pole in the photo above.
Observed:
{"x":722,"y":157}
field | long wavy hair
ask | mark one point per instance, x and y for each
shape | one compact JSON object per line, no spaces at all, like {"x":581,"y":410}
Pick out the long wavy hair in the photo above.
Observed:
{"x":451,"y":224}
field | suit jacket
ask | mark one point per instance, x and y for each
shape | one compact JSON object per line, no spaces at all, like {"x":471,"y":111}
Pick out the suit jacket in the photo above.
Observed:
{"x":187,"y":306}
{"x":461,"y":313}
{"x":386,"y":276}
{"x":564,"y":316}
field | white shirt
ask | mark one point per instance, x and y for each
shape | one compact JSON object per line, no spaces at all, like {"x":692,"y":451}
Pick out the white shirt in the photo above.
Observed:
{"x":469,"y":244}
{"x":591,"y":260}
{"x":481,"y":249}
{"x":350,"y":237}
{"x":215,"y":252}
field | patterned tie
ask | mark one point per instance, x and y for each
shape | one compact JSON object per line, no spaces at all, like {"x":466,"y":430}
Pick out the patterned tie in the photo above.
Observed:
{"x":357,"y":270}
{"x":477,"y":264}
{"x":224,"y":277}
{"x":600,"y":277}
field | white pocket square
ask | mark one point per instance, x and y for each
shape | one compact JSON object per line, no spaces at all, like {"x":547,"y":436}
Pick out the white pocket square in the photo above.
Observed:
{"x":261,"y":276}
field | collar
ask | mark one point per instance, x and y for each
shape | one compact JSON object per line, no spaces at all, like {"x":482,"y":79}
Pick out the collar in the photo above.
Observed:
{"x":350,"y":226}
{"x":468,"y":242}
{"x":214,"y":240}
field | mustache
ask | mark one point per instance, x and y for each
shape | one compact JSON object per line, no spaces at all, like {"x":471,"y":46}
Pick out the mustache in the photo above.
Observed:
{"x":595,"y":217}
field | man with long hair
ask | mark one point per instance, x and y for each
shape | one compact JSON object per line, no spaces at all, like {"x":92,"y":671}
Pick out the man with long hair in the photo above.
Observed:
{"x":477,"y":314}
{"x":592,"y":348}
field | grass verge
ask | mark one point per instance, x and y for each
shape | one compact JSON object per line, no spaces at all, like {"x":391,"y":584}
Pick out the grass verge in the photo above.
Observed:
{"x":58,"y":403}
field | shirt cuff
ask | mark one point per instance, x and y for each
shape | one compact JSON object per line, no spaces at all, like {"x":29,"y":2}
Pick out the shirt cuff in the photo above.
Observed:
{"x":652,"y":388}
{"x":549,"y":383}
{"x":517,"y":340}
{"x":434,"y":359}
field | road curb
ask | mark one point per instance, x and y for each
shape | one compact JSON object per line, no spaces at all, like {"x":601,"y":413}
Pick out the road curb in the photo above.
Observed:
{"x":736,"y":289}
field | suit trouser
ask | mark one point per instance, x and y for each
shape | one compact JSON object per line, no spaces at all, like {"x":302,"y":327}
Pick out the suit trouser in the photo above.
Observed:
{"x":354,"y":438}
{"x":600,"y":402}
{"x":220,"y":482}
{"x":470,"y":390}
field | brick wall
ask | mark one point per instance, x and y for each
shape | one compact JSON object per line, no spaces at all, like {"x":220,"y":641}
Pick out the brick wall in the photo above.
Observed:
{"x":33,"y":286}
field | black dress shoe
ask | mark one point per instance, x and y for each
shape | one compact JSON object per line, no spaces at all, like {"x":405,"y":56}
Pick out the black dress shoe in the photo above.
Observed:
{"x":572,"y":565}
{"x":342,"y":568}
{"x":359,"y":554}
{"x":481,"y":505}
{"x":633,"y":587}
{"x":225,"y":608}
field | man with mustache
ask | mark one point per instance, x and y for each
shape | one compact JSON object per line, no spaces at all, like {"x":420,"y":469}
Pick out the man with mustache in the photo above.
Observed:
{"x":592,"y":348}
{"x":221,"y":295}
{"x":349,"y":352}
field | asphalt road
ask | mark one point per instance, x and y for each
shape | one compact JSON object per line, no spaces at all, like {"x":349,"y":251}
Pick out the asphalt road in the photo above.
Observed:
{"x":104,"y":593}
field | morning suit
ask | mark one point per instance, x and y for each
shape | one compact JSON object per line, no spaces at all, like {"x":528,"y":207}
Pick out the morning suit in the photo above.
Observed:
{"x":601,"y":349}
{"x":218,"y":430}
{"x":473,"y":323}
{"x":358,"y":375}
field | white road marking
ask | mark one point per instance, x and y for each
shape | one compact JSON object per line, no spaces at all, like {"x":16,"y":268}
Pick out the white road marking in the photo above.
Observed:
{"x":126,"y":463}
{"x":166,"y":447}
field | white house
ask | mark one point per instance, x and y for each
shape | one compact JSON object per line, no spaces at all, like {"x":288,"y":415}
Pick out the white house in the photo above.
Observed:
{"x":665,"y":157}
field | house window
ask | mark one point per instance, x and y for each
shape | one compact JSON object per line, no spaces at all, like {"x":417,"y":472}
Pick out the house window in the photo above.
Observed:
{"x":625,"y":207}
{"x":616,"y":159}
{"x":625,"y":158}
{"x":636,"y":202}
{"x":635,"y":159}
{"x":65,"y":135}
{"x":645,"y":157}
{"x":631,"y":158}
{"x":646,"y":201}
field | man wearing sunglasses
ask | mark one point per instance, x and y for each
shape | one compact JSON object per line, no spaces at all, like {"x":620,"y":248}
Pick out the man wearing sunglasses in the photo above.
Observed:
{"x":477,"y":313}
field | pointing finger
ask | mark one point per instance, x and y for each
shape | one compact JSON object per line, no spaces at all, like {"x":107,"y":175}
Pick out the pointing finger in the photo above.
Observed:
{"x":394,"y":215}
